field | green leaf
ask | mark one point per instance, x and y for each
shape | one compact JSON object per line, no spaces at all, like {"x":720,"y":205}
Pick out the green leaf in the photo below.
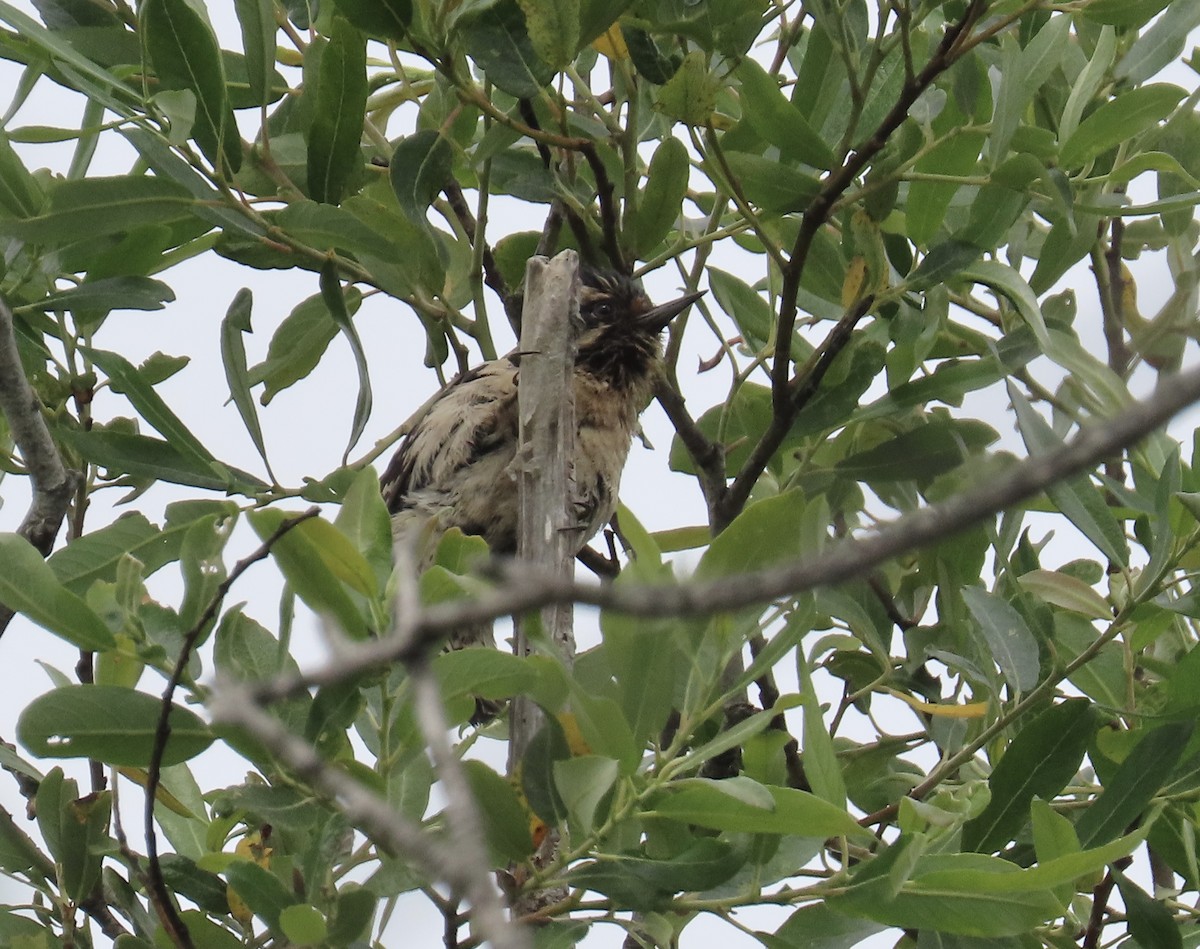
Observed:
{"x":420,"y":166}
{"x":111,"y":293}
{"x":185,"y":54}
{"x":744,"y":806}
{"x":928,"y":200}
{"x":331,"y":293}
{"x":388,"y":19}
{"x":1023,"y":74}
{"x":821,"y":765}
{"x":1160,"y":45}
{"x":1150,"y":922}
{"x":298,"y":344}
{"x":764,"y":534}
{"x":108,"y":723}
{"x":1039,"y":761}
{"x":505,"y":823}
{"x":640,"y":883}
{"x":365,"y":520}
{"x":553,"y":27}
{"x":98,"y":207}
{"x":1078,"y":499}
{"x":1065,"y":591}
{"x":257,"y":21}
{"x":1118,"y":121}
{"x":28,"y":586}
{"x":145,"y":457}
{"x":303,"y":924}
{"x":307,"y":570}
{"x":816,"y":926}
{"x":334,"y":141}
{"x":95,"y":555}
{"x":1009,"y":640}
{"x":126,"y":379}
{"x":233,"y":356}
{"x":661,"y":202}
{"x":772,"y":186}
{"x":690,"y":96}
{"x":262,"y":891}
{"x":582,"y":784}
{"x":777,"y":120}
{"x":1128,"y":793}
{"x":1135,"y":13}
{"x":20,"y":193}
{"x":499,"y":42}
{"x":752,"y":314}
{"x":920,"y":454}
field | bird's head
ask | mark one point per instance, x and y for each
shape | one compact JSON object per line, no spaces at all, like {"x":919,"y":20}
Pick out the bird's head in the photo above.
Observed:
{"x":619,"y":340}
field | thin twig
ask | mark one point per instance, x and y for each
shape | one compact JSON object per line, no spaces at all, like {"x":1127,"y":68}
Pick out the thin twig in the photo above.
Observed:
{"x":525,"y":589}
{"x":160,"y":895}
{"x":52,"y":484}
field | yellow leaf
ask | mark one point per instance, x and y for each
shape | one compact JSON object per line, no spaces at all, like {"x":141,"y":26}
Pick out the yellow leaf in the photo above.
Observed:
{"x":575,"y":739}
{"x":855,"y":283}
{"x":611,"y":43}
{"x":967,"y":710}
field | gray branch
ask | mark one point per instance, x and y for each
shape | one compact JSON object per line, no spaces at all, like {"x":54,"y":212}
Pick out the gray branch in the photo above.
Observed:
{"x":546,"y":407}
{"x":525,"y":589}
{"x":52,"y":484}
{"x":234,"y":704}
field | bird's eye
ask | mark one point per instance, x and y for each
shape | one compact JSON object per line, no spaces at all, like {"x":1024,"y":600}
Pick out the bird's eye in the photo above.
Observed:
{"x":604,"y":310}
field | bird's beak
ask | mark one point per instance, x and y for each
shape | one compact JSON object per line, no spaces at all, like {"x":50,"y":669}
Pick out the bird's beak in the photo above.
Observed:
{"x":656,"y":319}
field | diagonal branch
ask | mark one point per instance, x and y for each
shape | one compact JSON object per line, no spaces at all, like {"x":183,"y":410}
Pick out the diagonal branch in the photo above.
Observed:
{"x":814,"y":218}
{"x":53,"y":485}
{"x":848,"y":560}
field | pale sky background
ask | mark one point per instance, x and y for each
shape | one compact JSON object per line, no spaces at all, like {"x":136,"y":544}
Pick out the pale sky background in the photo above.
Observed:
{"x":305,"y":429}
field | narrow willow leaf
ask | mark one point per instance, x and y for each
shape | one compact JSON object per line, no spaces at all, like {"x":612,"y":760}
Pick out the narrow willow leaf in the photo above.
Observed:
{"x":1007,"y":281}
{"x":1151,"y":923}
{"x":100,"y":206}
{"x":95,"y":555}
{"x":298,"y":344}
{"x":109,"y":293}
{"x":420,"y":166}
{"x":300,"y":558}
{"x":780,"y":811}
{"x":331,"y":293}
{"x":749,"y":311}
{"x":1128,"y":793}
{"x":125,"y":379}
{"x":821,"y":765}
{"x":1118,"y":121}
{"x":770,"y":185}
{"x":1077,"y":497}
{"x":498,"y":41}
{"x":110,"y":724}
{"x":334,"y":141}
{"x":1066,"y":591}
{"x":233,"y":355}
{"x":185,"y":55}
{"x":662,"y":199}
{"x":1009,"y":640}
{"x":28,"y":586}
{"x":257,"y":21}
{"x":1162,"y":43}
{"x":1087,"y":84}
{"x":144,"y":457}
{"x":20,"y":194}
{"x":384,"y":18}
{"x":777,"y":120}
{"x":1023,"y":74}
{"x":1039,"y":762}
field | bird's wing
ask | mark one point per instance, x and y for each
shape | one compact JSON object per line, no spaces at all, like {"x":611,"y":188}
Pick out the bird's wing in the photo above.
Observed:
{"x":476,"y":415}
